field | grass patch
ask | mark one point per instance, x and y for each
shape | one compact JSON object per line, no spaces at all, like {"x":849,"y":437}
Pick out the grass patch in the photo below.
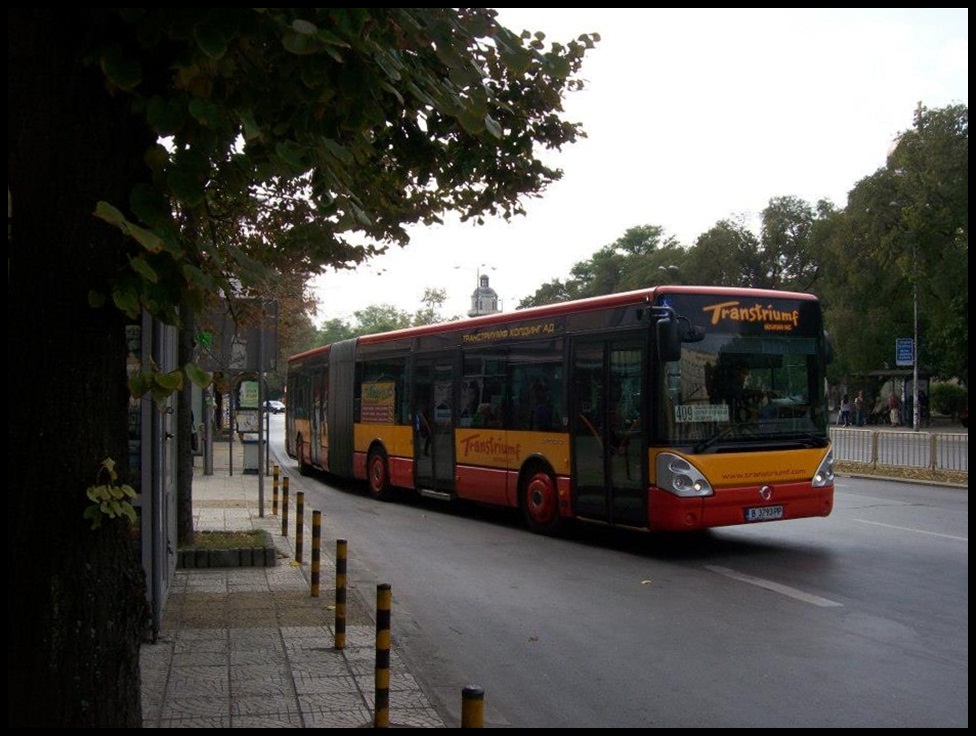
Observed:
{"x":212,"y":540}
{"x":920,"y":474}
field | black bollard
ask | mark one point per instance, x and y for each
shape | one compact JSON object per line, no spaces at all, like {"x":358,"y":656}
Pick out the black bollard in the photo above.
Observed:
{"x":340,"y":597}
{"x":284,"y":507}
{"x":274,"y":493}
{"x":316,"y":551}
{"x":381,"y":718}
{"x":299,"y":525}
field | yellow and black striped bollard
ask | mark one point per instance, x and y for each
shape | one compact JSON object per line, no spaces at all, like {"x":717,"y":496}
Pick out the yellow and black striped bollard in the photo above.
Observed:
{"x":299,"y":526}
{"x":284,"y":507}
{"x":472,"y":707}
{"x":381,"y":718}
{"x":274,"y":492}
{"x":316,"y":551}
{"x":340,"y":596}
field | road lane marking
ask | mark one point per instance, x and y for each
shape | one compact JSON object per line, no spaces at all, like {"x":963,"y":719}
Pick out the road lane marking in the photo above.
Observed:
{"x":910,"y":529}
{"x":775,"y":587}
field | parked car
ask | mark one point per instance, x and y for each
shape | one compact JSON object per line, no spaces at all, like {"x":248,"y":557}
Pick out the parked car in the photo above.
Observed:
{"x":274,"y":406}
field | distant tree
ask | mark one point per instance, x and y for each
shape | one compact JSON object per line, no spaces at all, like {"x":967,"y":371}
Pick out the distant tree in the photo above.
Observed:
{"x":650,"y":257}
{"x":553,"y":292}
{"x":643,"y":240}
{"x":160,"y":156}
{"x":905,"y":227}
{"x":601,"y":274}
{"x":630,"y":262}
{"x":381,"y":318}
{"x":433,"y":299}
{"x":726,"y":255}
{"x":930,"y":166}
{"x":786,"y":254}
{"x":333,"y":330}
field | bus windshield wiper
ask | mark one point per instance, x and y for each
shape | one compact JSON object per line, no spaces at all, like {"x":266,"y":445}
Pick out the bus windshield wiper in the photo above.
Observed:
{"x":706,"y":443}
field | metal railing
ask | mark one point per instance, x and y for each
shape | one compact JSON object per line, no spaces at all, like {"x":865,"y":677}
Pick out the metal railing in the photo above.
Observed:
{"x":902,"y":449}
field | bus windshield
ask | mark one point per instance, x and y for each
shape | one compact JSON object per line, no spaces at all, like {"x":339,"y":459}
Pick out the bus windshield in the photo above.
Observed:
{"x":757,"y":374}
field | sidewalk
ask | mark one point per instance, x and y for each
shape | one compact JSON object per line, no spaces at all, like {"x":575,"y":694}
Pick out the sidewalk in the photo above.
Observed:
{"x":250,"y":647}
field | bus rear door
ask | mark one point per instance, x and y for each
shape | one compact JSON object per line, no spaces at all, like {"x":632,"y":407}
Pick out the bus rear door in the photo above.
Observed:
{"x":434,"y":423}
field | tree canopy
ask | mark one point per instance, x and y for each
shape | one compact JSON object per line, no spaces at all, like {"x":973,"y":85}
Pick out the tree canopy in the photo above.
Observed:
{"x":310,"y":138}
{"x":161,"y":158}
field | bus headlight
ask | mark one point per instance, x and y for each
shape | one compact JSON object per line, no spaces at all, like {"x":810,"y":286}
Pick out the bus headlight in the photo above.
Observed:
{"x":825,"y":472}
{"x":676,"y":475}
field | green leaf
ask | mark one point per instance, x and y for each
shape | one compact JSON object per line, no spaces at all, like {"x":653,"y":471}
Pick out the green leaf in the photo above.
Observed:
{"x":210,"y":39}
{"x":127,"y":300}
{"x":166,"y":116}
{"x":252,"y":130}
{"x":146,"y":238}
{"x":108,"y":464}
{"x":300,"y":44}
{"x":492,"y":126}
{"x":141,"y":267}
{"x":122,"y":71}
{"x":130,"y":512}
{"x":186,"y":186}
{"x":172,"y":381}
{"x":291,"y":154}
{"x":199,"y":376}
{"x":304,"y":27}
{"x":204,"y":112}
{"x":110,"y":214}
{"x":140,"y":384}
{"x":336,"y":149}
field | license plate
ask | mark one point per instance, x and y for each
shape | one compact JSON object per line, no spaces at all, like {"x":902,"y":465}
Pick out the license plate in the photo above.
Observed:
{"x":764,"y":513}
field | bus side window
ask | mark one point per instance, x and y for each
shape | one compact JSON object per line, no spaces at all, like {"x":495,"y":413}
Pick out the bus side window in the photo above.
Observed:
{"x":537,"y":397}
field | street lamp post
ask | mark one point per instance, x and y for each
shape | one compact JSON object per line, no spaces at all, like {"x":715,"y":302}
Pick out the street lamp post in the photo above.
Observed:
{"x":915,"y":407}
{"x":915,"y":351}
{"x":671,"y":272}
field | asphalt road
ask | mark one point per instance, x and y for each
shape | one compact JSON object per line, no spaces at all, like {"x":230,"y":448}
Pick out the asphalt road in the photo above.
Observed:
{"x":857,"y":620}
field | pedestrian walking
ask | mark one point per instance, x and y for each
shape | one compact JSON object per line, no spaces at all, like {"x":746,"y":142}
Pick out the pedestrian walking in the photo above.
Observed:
{"x":893,"y":406}
{"x":844,"y":419}
{"x":859,"y":402}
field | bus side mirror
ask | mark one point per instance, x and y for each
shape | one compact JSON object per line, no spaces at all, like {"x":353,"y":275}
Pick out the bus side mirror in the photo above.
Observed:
{"x":668,"y":340}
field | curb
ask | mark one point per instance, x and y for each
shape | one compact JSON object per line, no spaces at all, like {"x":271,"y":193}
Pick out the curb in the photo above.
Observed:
{"x":243,"y":557}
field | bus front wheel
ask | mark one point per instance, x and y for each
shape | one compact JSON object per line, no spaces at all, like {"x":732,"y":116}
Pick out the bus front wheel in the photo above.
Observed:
{"x":379,"y":475}
{"x":540,"y":502}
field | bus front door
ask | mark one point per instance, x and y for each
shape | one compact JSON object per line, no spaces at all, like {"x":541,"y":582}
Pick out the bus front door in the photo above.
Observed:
{"x":434,"y":424}
{"x":606,"y":435}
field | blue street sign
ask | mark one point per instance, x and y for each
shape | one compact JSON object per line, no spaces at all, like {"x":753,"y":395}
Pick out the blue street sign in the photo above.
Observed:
{"x":904,"y":351}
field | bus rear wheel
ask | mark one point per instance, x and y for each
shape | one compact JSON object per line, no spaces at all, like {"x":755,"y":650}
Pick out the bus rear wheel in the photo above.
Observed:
{"x":378,"y":475}
{"x":540,"y":502}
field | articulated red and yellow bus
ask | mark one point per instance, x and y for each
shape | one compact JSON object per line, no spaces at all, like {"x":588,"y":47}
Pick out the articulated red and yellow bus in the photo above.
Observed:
{"x":664,"y":409}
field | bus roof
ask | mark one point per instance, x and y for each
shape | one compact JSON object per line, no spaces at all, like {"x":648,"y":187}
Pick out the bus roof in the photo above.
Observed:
{"x":605,"y":301}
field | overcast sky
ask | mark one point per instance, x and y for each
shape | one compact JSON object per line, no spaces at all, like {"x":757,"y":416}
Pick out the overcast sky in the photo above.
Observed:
{"x":692,"y":116}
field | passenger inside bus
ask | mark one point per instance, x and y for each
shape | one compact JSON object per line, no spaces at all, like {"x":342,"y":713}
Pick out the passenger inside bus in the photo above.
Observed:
{"x":472,"y":400}
{"x":542,"y":409}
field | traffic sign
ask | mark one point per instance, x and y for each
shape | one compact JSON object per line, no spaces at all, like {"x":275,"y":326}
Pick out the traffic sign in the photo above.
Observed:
{"x":904,"y":351}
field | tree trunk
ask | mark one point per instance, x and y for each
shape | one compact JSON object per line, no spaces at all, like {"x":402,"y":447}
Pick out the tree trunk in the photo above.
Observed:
{"x":76,"y":607}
